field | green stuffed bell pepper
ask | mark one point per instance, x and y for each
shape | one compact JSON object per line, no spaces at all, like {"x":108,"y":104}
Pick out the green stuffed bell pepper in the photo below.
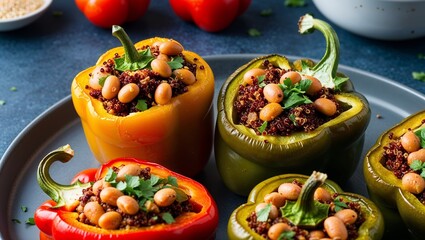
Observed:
{"x":387,"y":168}
{"x":312,"y":208}
{"x":331,"y":140}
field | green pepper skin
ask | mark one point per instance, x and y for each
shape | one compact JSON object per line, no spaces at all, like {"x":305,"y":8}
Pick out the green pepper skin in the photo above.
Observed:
{"x":238,"y":228}
{"x":384,"y":187}
{"x":244,"y":159}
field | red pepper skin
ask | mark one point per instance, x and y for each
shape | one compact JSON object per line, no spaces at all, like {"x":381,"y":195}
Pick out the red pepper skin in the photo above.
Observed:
{"x":105,"y":13}
{"x":87,"y":175}
{"x":59,"y":223}
{"x":210,"y":15}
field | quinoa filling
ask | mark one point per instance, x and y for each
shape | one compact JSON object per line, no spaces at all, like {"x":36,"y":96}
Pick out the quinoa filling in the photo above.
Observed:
{"x":148,"y":81}
{"x":404,"y":156}
{"x":135,"y":199}
{"x":300,"y":108}
{"x":266,"y":228}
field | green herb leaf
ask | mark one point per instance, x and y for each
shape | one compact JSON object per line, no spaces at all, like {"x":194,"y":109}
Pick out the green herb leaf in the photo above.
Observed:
{"x":287,"y":235}
{"x":141,"y":105}
{"x":295,"y":3}
{"x":24,"y":208}
{"x":292,"y":118}
{"x":13,"y":89}
{"x":303,"y":85}
{"x":2,"y":102}
{"x":339,"y":205}
{"x":172,"y":181}
{"x":16,"y":220}
{"x":263,"y":214}
{"x":419,"y":76}
{"x":263,"y":127}
{"x":102,"y":80}
{"x":30,"y":221}
{"x":266,"y":12}
{"x":176,"y":63}
{"x":145,"y":59}
{"x":167,"y":217}
{"x":421,"y":135}
{"x":261,"y":82}
{"x":339,"y":81}
{"x":295,"y":100}
{"x":132,"y":181}
{"x":416,"y":165}
{"x":253,"y":32}
{"x":110,"y":175}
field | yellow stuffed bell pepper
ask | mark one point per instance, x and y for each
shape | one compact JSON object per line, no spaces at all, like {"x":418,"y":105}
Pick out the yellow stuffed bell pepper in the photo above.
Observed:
{"x":176,"y":134}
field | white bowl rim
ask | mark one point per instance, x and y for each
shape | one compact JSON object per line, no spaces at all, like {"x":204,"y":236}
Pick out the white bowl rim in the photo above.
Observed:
{"x":45,"y":5}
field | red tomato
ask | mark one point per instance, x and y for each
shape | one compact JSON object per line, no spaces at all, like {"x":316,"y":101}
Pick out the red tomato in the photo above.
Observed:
{"x":105,"y":13}
{"x":210,"y":15}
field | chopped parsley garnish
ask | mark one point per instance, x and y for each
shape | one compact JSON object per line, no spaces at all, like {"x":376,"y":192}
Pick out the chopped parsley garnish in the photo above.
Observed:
{"x":295,"y":3}
{"x":419,"y":76}
{"x":263,"y":127}
{"x":2,"y":102}
{"x":145,"y":189}
{"x":295,"y":93}
{"x":30,"y":221}
{"x":421,"y":135}
{"x":287,"y":235}
{"x":418,"y":165}
{"x":13,"y":89}
{"x":176,"y":63}
{"x":261,"y":82}
{"x":263,"y":214}
{"x":253,"y":32}
{"x":339,"y":205}
{"x":141,"y":105}
{"x":167,"y":217}
{"x":24,"y":208}
{"x":16,"y":220}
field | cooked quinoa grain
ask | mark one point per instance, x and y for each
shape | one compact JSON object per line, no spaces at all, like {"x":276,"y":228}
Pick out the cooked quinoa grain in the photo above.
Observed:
{"x":250,"y":101}
{"x":17,"y":8}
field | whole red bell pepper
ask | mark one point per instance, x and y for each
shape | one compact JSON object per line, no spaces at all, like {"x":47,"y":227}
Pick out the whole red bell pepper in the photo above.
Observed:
{"x":105,"y":13}
{"x":210,"y":15}
{"x":57,"y":219}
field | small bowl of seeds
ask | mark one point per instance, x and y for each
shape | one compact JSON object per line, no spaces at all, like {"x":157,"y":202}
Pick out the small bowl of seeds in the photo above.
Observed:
{"x":15,"y":14}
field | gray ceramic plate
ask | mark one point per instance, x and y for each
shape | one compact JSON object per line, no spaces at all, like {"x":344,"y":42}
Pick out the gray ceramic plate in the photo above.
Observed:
{"x":60,"y":125}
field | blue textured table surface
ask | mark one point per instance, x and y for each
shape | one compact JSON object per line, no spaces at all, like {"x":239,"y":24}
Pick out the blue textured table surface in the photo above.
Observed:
{"x":38,"y":62}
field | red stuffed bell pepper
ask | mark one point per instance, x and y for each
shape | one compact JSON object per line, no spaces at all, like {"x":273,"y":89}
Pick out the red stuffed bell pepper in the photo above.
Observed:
{"x":210,"y":15}
{"x":105,"y":13}
{"x":71,"y":214}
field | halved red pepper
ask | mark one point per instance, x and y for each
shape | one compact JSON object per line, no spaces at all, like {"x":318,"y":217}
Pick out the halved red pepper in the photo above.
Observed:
{"x":57,"y":220}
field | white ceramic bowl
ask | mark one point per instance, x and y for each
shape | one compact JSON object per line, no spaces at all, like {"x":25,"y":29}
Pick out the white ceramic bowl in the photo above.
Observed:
{"x":378,"y":19}
{"x":18,"y":22}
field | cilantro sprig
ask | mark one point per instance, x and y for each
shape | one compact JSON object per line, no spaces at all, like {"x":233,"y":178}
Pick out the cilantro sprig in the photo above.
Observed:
{"x":418,"y":165}
{"x":263,"y":213}
{"x":145,"y":189}
{"x":339,"y":205}
{"x":295,"y":93}
{"x":421,"y":135}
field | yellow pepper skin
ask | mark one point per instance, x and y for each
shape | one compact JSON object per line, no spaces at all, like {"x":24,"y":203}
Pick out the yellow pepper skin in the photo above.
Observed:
{"x":177,"y":135}
{"x":402,"y":210}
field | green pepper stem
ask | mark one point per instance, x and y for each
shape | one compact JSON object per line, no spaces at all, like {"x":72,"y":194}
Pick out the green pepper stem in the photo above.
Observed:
{"x":131,"y":53}
{"x":306,"y":211}
{"x":325,"y":70}
{"x":61,"y":194}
